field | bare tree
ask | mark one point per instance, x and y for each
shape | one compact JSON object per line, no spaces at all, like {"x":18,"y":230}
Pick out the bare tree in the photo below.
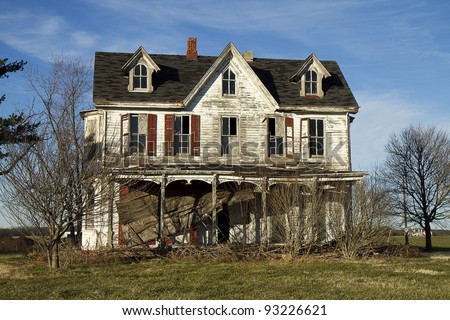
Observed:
{"x":417,"y":171}
{"x":361,"y":223}
{"x":45,"y":192}
{"x":298,"y":216}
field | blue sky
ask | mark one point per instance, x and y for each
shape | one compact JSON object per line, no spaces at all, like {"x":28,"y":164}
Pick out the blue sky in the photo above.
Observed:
{"x":395,"y":55}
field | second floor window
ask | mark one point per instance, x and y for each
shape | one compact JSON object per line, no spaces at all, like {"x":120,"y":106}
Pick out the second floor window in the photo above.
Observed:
{"x":138,"y":133}
{"x":181,"y":134}
{"x":311,"y":82}
{"x":316,"y":137}
{"x":275,"y":137}
{"x":229,"y":134}
{"x":228,"y":82}
{"x":140,"y":77}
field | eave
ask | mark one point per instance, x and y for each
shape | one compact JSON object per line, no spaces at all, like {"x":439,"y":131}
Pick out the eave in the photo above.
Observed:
{"x":319,"y":109}
{"x":86,"y":113}
{"x":139,"y":105}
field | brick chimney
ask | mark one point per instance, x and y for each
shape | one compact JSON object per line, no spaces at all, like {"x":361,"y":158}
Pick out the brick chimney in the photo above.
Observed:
{"x":191,"y":53}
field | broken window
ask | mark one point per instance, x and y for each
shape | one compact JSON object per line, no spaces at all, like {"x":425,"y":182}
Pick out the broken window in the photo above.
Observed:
{"x":228,"y":82}
{"x":316,"y":137}
{"x":229,"y":134}
{"x":275,"y":136}
{"x":138,"y":134}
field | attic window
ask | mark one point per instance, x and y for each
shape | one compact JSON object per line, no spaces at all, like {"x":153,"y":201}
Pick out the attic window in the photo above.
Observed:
{"x":310,"y":77}
{"x":311,"y":83}
{"x":140,"y":76}
{"x":228,"y":82}
{"x":140,"y":69}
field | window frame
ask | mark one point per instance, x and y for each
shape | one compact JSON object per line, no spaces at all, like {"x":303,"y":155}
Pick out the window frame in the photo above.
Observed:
{"x":140,"y":77}
{"x":315,"y":138}
{"x":226,"y":135}
{"x":311,"y":84}
{"x":177,"y":143}
{"x":274,"y":139}
{"x":135,"y":143}
{"x":227,"y":81}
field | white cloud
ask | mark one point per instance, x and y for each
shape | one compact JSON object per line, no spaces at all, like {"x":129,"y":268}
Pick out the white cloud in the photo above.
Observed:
{"x":41,"y":35}
{"x":381,"y":115}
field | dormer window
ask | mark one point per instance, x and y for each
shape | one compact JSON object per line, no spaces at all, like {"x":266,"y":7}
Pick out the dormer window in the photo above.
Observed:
{"x":311,"y":83}
{"x":140,"y":80}
{"x":228,"y":83}
{"x":140,"y":69}
{"x":310,"y":77}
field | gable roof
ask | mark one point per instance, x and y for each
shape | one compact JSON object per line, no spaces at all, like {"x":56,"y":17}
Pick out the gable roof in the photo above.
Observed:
{"x":230,"y":49}
{"x":179,"y":76}
{"x":312,"y":59}
{"x":140,"y":53}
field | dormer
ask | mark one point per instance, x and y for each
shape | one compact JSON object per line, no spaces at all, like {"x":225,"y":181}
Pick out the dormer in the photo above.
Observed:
{"x":140,"y":68}
{"x":310,"y":77}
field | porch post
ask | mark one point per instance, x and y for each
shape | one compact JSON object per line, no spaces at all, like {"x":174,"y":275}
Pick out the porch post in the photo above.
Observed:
{"x":265,"y":225}
{"x":162,"y":210}
{"x":214,"y":210}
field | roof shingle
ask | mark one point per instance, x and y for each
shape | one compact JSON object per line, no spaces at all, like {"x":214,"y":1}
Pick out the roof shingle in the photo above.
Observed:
{"x":178,"y":76}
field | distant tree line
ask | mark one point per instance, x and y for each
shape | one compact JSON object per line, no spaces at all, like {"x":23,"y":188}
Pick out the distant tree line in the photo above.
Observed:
{"x":22,"y":231}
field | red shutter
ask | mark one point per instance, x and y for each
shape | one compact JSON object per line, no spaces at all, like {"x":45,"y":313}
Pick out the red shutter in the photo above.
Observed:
{"x":289,"y":127}
{"x":168,"y":134}
{"x":151,"y":134}
{"x":195,"y":135}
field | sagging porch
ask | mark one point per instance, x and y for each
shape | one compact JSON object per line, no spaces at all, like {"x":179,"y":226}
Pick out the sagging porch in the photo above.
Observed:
{"x":183,"y":207}
{"x":205,"y":208}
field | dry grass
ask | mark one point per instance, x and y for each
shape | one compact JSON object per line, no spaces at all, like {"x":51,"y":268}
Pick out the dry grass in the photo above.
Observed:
{"x":222,"y":273}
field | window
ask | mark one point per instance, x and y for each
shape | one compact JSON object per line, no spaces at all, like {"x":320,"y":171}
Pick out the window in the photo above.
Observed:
{"x":228,"y":82}
{"x":316,"y":138}
{"x":275,"y":134}
{"x":311,"y":82}
{"x":229,"y":134}
{"x":138,"y":134}
{"x":181,"y":134}
{"x":140,"y":77}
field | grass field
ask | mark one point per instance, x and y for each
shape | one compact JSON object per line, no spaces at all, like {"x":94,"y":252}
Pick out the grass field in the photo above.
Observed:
{"x":427,"y":277}
{"x":441,"y":243}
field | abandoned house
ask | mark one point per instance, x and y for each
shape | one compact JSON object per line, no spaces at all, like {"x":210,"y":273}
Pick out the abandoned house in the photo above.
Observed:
{"x":204,"y":150}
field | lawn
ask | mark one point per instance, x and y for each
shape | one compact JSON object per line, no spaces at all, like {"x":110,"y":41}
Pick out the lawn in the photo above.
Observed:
{"x":313,"y":278}
{"x":440,"y":243}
